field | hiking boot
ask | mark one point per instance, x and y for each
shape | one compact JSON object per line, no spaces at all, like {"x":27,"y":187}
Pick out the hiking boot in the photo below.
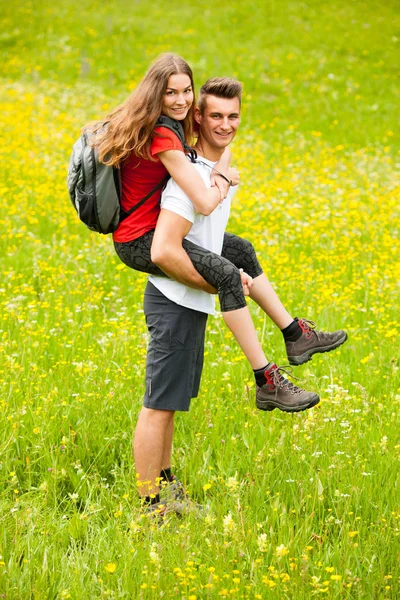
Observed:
{"x":278,"y":392}
{"x":158,"y":512}
{"x":311,"y":342}
{"x":174,"y":492}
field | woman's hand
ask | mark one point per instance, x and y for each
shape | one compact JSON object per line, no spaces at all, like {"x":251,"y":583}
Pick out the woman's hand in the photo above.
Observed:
{"x":221,"y":166}
{"x":233,"y":175}
{"x":223,"y":187}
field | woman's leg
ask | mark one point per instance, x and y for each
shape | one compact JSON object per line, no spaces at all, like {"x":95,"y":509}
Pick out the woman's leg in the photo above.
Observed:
{"x":241,"y":325}
{"x":302,"y":340}
{"x":137,"y":254}
{"x":272,"y":390}
{"x":242,"y":254}
{"x":265,"y":296}
{"x":215,"y":269}
{"x":220,"y":273}
{"x":225,"y":277}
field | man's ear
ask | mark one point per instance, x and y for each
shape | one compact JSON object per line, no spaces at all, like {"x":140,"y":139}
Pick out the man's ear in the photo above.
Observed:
{"x":197,"y":115}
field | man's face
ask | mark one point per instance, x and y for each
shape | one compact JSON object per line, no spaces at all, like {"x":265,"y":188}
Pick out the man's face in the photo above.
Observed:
{"x":219,"y":121}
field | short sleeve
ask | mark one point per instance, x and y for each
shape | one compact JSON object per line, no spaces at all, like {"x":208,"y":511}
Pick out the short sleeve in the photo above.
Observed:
{"x":164,"y":139}
{"x":175,"y":200}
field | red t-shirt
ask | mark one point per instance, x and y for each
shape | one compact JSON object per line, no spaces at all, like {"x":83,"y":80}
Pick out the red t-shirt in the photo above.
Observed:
{"x":139,"y":176}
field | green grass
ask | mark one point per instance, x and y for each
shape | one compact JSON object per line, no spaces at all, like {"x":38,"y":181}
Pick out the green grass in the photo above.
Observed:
{"x":300,"y":506}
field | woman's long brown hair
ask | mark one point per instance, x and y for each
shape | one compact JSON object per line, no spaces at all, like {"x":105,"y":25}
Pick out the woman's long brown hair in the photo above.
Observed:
{"x":130,"y":126}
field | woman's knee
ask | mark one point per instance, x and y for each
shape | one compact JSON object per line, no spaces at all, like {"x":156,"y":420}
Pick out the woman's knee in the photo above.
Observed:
{"x":249,"y":255}
{"x":242,"y":253}
{"x":230,"y":278}
{"x":245,"y":245}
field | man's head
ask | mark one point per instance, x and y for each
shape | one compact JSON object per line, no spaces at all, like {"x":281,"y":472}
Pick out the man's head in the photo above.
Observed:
{"x":218,"y":113}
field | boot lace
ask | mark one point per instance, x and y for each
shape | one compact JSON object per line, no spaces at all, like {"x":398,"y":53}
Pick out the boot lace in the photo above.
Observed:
{"x":276,"y":379}
{"x":308,"y":328}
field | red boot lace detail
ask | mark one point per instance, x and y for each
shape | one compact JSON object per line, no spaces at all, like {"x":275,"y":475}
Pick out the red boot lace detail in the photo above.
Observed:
{"x":269,"y":377}
{"x":307,"y":327}
{"x":274,"y":379}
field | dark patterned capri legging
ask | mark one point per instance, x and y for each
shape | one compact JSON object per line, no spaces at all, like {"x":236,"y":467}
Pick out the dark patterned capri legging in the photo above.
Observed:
{"x":222,"y":272}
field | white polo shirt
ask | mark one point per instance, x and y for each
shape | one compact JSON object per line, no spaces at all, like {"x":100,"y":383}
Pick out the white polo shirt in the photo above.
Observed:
{"x":207,"y":232}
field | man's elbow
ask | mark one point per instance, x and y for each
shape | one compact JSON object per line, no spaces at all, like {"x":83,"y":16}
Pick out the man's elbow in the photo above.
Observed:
{"x":157,"y":255}
{"x":162,"y":255}
{"x":206,"y":210}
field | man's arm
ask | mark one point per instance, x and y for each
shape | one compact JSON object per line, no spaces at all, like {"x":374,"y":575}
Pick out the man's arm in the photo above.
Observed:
{"x":168,"y":254}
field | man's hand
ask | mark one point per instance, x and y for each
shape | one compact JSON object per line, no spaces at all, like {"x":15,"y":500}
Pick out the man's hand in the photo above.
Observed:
{"x":247,"y":282}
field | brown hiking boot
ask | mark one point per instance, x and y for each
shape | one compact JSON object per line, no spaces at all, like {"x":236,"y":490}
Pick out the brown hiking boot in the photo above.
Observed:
{"x":158,"y":512}
{"x":278,"y":392}
{"x":174,"y":492}
{"x":311,"y":342}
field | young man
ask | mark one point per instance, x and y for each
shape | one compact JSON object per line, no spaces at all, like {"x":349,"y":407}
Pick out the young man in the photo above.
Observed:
{"x":176,"y":314}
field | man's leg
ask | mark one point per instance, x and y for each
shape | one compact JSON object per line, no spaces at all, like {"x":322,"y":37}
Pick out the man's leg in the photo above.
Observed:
{"x":152,"y":445}
{"x":166,"y":458}
{"x":173,"y":371}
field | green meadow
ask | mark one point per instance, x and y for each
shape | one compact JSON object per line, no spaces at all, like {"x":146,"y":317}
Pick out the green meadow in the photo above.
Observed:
{"x":299,"y":506}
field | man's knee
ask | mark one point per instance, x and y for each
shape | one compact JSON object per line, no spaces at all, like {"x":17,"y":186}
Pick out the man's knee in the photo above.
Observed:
{"x":156,"y":416}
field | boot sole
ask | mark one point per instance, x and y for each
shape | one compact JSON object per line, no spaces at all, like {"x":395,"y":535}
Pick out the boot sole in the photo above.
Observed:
{"x":303,"y":358}
{"x":272,"y":404}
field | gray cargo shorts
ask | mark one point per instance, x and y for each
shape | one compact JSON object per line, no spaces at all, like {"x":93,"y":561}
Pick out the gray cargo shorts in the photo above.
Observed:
{"x":175,"y":353}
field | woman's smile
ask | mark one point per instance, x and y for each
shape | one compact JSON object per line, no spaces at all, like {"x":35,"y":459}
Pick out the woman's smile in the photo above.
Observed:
{"x":178,"y":97}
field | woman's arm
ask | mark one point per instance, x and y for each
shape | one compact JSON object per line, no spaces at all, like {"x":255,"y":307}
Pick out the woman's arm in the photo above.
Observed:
{"x":222,"y":166}
{"x":204,"y":199}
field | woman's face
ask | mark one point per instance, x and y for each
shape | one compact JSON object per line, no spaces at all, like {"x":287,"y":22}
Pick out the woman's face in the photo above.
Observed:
{"x":178,"y":97}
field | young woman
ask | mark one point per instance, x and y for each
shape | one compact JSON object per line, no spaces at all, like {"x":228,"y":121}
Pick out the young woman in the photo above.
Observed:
{"x":147,"y":153}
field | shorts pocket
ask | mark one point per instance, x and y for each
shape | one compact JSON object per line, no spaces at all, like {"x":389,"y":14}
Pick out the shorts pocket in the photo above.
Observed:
{"x":172,"y":331}
{"x":159,"y":335}
{"x":183,"y":331}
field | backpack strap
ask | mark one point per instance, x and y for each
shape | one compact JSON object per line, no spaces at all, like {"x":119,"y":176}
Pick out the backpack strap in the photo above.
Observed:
{"x":126,"y":214}
{"x":177,"y":128}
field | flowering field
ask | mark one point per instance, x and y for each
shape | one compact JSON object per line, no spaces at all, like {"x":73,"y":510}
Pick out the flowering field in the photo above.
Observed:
{"x":300,"y":506}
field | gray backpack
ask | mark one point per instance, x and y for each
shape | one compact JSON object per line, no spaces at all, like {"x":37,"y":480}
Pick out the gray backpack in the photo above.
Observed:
{"x":95,"y":188}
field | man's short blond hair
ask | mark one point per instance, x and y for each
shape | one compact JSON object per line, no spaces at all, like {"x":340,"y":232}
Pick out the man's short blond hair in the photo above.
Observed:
{"x":221,"y":87}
